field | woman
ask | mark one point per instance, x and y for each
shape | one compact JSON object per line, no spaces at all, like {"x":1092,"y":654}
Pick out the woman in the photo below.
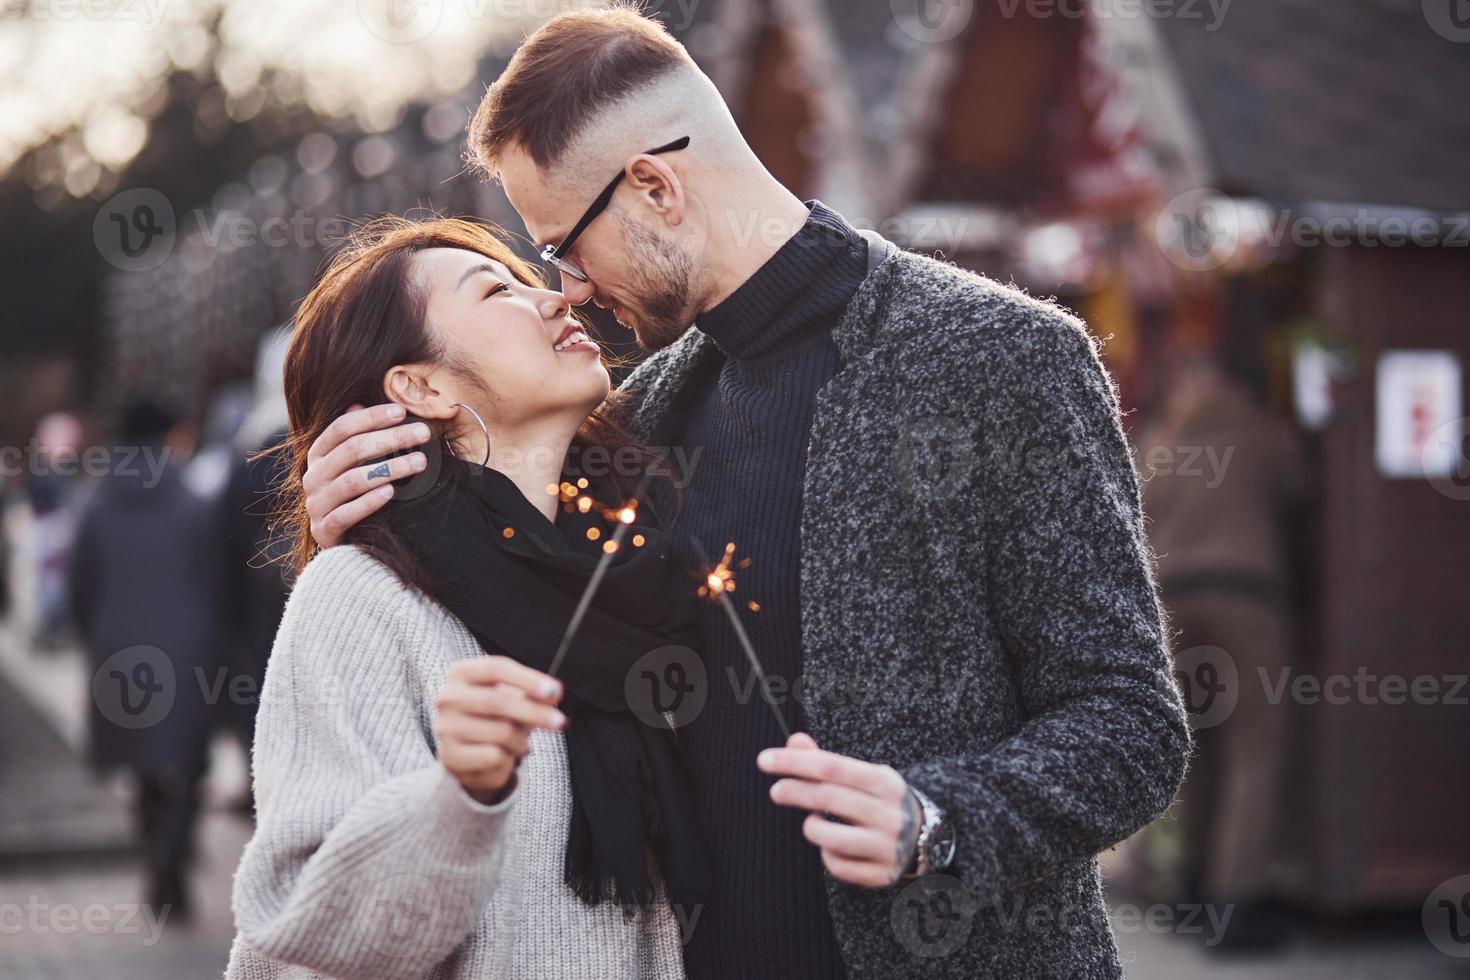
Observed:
{"x":431,"y":802}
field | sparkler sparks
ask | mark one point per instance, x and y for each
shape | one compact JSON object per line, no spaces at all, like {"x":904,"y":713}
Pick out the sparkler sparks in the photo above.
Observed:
{"x":719,"y":582}
{"x":572,"y":498}
{"x":624,"y":516}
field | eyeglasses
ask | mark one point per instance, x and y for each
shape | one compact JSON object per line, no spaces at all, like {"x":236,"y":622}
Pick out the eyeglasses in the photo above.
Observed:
{"x":552,"y":254}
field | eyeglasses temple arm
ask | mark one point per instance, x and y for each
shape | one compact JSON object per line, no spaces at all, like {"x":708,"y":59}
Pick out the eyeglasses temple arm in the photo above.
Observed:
{"x":601,"y":201}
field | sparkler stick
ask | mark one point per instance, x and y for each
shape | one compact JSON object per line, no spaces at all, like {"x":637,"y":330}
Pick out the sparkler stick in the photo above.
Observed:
{"x":719,"y":583}
{"x":625,"y":517}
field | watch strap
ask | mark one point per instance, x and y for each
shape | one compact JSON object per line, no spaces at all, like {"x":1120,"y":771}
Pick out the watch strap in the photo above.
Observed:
{"x":930,"y":818}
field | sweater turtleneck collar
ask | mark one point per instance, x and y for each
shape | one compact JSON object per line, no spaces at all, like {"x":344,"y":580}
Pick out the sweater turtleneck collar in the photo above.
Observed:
{"x":802,"y":288}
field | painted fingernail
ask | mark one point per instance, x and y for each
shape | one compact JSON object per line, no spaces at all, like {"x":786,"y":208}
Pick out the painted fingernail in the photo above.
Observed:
{"x":421,"y":432}
{"x":549,"y":689}
{"x":766,"y":759}
{"x":395,"y":412}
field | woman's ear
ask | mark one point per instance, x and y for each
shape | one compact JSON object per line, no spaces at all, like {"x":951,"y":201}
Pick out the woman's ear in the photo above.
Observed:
{"x":414,"y":387}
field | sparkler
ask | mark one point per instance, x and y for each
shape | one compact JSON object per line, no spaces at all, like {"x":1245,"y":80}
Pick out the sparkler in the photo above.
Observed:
{"x":624,"y":516}
{"x":719,"y":582}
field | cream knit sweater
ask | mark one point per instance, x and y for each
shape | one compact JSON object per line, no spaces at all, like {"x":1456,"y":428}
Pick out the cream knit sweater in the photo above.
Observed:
{"x":369,"y":860}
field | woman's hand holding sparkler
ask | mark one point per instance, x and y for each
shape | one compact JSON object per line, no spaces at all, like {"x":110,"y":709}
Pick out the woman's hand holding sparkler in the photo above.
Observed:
{"x":874,"y":845}
{"x":487,"y":708}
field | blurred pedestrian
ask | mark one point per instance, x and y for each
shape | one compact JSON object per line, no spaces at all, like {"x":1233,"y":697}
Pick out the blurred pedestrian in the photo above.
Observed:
{"x":256,"y":572}
{"x":52,"y":492}
{"x":210,"y":465}
{"x":144,"y":594}
{"x":1223,"y":477}
{"x":5,"y":546}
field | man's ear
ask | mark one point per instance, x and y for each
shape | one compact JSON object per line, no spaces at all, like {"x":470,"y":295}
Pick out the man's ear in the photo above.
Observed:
{"x":414,"y":387}
{"x":661,"y":188}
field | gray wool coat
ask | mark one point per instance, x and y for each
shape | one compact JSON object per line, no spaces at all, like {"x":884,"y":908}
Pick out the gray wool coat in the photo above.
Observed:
{"x":978,"y":611}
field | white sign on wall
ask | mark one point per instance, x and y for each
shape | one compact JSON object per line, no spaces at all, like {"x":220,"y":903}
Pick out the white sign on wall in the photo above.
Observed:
{"x":1419,"y":401}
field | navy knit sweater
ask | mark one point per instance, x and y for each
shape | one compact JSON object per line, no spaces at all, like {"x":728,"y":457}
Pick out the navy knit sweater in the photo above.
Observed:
{"x":750,"y":425}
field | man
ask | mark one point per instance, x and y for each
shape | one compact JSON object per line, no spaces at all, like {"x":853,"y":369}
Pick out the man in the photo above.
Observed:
{"x":143,"y":587}
{"x":1223,"y":536}
{"x":929,"y":475}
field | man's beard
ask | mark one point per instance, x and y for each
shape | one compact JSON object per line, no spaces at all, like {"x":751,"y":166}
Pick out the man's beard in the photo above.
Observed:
{"x":659,"y":278}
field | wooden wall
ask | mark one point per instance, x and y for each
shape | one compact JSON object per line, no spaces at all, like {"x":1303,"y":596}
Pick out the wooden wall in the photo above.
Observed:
{"x":1392,"y":781}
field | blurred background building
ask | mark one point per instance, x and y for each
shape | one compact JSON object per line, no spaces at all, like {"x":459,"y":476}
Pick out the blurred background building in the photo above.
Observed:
{"x":1261,"y":209}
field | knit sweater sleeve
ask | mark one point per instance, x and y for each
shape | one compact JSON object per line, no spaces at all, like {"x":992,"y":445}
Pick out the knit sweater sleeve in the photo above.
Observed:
{"x":368,"y":860}
{"x":1051,"y":522}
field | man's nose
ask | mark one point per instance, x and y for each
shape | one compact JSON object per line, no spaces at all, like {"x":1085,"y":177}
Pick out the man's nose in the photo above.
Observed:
{"x":576,"y":291}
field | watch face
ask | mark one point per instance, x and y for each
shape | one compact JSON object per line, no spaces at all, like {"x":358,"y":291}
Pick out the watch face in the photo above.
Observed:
{"x":941,"y":851}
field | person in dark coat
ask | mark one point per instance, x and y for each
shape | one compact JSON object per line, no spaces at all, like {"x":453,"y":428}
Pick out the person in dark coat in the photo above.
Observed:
{"x":257,"y":581}
{"x":255,"y":576}
{"x":144,"y":595}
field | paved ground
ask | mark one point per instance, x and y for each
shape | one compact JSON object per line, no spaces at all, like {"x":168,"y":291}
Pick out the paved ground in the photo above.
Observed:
{"x":84,"y":921}
{"x":51,"y":803}
{"x":1394,"y":949}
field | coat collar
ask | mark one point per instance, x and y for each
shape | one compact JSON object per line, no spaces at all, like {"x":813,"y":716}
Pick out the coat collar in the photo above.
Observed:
{"x":857,"y":332}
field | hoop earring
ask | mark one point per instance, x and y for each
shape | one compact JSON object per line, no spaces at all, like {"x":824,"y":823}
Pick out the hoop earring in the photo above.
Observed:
{"x":486,"y":460}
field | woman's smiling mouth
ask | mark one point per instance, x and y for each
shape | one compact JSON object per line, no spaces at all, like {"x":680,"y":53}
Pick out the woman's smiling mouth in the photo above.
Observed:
{"x":574,"y":339}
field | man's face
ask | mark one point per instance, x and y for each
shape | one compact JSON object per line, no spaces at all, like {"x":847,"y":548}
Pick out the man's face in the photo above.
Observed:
{"x":639,"y":274}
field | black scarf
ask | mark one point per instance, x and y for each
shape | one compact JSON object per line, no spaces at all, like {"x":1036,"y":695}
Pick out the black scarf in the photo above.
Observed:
{"x":514,"y":578}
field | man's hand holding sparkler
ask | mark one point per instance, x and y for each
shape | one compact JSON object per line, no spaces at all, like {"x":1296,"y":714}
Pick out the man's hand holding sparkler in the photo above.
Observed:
{"x":874,"y":844}
{"x":875,"y":837}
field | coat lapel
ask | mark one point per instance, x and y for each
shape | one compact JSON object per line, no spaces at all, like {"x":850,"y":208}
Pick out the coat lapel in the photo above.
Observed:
{"x":665,"y":382}
{"x":842,"y":457}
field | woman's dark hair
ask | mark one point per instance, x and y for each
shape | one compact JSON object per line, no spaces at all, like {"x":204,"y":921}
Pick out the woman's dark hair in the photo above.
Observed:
{"x":364,"y":316}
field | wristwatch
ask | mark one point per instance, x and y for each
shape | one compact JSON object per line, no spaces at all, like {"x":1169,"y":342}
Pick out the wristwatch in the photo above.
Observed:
{"x":936,"y":845}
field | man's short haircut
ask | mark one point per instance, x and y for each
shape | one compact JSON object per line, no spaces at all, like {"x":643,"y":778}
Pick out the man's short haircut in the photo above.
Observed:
{"x":560,"y":77}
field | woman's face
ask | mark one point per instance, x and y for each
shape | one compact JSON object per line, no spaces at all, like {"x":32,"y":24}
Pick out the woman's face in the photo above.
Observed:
{"x":519,"y":356}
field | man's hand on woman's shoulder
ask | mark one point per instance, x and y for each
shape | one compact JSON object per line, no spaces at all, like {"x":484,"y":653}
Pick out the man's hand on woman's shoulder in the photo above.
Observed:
{"x":341,"y":489}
